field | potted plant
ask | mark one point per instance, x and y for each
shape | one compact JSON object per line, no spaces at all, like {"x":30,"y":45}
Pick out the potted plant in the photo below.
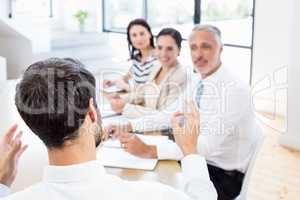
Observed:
{"x":81,"y":16}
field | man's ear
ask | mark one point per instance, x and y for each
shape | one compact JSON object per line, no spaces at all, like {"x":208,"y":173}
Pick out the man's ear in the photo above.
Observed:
{"x":221,"y":48}
{"x":92,"y":111}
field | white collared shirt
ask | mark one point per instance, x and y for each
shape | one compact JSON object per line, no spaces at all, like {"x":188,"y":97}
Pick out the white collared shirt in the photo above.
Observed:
{"x":228,"y":132}
{"x":4,"y":190}
{"x":89,"y":181}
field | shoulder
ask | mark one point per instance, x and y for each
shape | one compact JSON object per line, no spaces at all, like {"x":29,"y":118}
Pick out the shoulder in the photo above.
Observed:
{"x":233,"y":82}
{"x":180,"y":73}
{"x":156,"y":190}
{"x":31,"y":192}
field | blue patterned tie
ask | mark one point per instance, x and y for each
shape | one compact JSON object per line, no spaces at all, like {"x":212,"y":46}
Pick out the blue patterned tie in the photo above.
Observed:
{"x":199,"y":92}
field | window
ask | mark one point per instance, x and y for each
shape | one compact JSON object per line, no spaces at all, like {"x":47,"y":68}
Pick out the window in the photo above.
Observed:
{"x":31,"y":8}
{"x":233,"y":17}
{"x":118,"y":13}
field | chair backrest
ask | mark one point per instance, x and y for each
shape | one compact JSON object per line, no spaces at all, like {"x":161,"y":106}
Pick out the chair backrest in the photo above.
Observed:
{"x":248,"y":173}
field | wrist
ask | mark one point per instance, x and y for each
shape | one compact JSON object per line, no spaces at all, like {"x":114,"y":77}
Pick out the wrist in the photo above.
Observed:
{"x":129,"y":127}
{"x":151,"y":152}
{"x":189,"y":151}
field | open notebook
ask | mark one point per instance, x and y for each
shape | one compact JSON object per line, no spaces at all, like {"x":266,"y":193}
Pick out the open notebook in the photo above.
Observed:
{"x":112,"y":155}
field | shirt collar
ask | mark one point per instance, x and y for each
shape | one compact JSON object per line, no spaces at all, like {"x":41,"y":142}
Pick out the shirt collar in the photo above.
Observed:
{"x":149,"y":59}
{"x":216,"y":75}
{"x":71,"y":173}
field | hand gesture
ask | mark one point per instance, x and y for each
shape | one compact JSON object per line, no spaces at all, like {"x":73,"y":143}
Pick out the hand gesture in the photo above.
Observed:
{"x":186,"y":132}
{"x":135,"y":146}
{"x":11,"y":149}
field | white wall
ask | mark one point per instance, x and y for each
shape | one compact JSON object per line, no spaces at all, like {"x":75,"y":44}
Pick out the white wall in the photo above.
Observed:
{"x":292,"y":137}
{"x":19,"y":40}
{"x":18,"y":53}
{"x":64,"y":17}
{"x":4,"y":8}
{"x":271,"y":55}
{"x":3,"y":75}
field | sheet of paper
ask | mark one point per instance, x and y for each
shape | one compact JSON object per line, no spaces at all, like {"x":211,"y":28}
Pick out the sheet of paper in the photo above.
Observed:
{"x":112,"y":89}
{"x":117,"y":157}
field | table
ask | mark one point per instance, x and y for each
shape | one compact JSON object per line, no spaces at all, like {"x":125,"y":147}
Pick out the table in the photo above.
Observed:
{"x":35,"y":157}
{"x":166,"y":171}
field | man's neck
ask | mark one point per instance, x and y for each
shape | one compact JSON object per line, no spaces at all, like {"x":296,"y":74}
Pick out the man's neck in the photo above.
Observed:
{"x":71,"y":154}
{"x":204,"y":76}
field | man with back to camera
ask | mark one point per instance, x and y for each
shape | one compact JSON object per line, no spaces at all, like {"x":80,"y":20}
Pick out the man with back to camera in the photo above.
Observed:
{"x":56,"y":99}
{"x":229,"y":132}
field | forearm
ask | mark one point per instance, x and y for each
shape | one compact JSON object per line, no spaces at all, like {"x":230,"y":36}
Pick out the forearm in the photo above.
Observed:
{"x":126,"y":77}
{"x":151,"y":152}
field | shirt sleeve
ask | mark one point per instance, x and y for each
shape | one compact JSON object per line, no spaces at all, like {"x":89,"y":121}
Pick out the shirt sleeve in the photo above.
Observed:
{"x":168,"y":150}
{"x":159,"y":120}
{"x":128,"y":75}
{"x":197,"y":184}
{"x":197,"y":181}
{"x":4,"y":190}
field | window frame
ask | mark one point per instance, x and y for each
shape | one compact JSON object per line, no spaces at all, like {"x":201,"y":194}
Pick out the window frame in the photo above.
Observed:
{"x":11,"y":10}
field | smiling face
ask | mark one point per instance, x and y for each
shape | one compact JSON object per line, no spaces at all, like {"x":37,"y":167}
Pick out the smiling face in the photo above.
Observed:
{"x":139,"y":37}
{"x":167,"y":50}
{"x":205,"y":52}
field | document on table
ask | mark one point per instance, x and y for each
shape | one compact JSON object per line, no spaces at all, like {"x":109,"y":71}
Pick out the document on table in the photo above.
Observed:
{"x":117,"y":120}
{"x":106,"y":111}
{"x":112,"y":89}
{"x":112,"y":155}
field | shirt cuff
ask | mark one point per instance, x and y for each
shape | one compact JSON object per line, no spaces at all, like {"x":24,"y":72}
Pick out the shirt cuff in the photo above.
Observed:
{"x":4,"y":190}
{"x":194,"y":166}
{"x":168,"y":151}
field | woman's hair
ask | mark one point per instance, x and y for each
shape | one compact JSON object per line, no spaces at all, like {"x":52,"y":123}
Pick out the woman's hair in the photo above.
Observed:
{"x":133,"y":52}
{"x":172,"y":33}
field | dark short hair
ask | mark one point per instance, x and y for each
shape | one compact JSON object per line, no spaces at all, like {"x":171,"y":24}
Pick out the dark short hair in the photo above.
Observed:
{"x":173,"y":33}
{"x":133,"y":52}
{"x":53,"y":98}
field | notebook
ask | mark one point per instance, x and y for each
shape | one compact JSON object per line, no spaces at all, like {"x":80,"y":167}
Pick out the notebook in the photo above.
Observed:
{"x":112,"y":155}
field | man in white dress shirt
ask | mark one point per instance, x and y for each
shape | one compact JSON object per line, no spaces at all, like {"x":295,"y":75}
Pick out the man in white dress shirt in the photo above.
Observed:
{"x":228,"y":130}
{"x":56,"y":99}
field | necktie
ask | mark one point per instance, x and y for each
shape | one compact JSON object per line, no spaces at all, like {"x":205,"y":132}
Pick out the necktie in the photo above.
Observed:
{"x":199,"y":92}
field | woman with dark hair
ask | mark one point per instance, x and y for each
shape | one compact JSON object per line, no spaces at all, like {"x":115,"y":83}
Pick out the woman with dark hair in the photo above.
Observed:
{"x":141,"y":51}
{"x":165,"y":82}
